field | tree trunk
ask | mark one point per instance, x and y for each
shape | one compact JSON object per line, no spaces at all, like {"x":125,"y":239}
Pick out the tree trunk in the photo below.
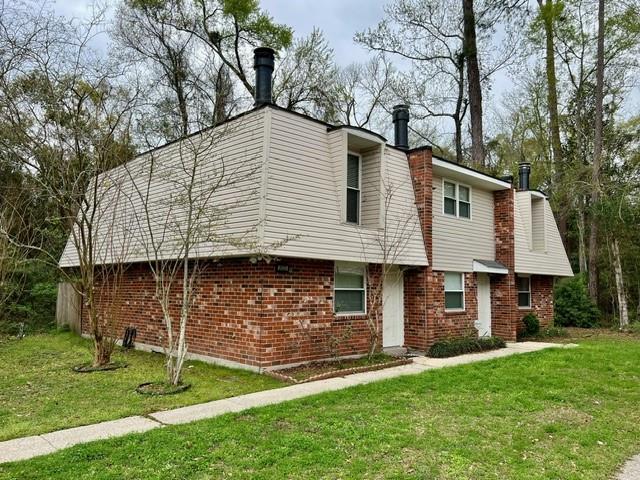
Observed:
{"x":224,"y":90}
{"x":458,"y":115}
{"x":622,"y":296}
{"x":547,"y":13}
{"x":473,"y":83}
{"x":597,"y":159}
{"x":582,"y":246}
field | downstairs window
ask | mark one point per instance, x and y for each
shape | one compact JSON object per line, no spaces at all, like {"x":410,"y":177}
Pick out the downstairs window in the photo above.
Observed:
{"x":349,"y":288}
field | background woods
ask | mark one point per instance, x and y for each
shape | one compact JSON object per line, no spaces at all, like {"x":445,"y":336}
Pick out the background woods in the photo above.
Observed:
{"x":490,"y":83}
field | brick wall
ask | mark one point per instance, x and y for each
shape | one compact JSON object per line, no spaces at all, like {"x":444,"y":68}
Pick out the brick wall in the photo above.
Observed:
{"x":249,"y":313}
{"x":450,"y":324}
{"x":418,"y":292}
{"x":504,"y":296}
{"x":541,"y":301}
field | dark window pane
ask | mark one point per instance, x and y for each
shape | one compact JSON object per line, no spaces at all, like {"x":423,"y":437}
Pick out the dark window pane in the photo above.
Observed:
{"x":349,"y":301}
{"x":523,"y":284}
{"x":453,"y":300}
{"x":449,"y":206}
{"x":353,"y":199}
{"x":465,"y":209}
{"x":353,"y":171}
{"x":524,"y":300}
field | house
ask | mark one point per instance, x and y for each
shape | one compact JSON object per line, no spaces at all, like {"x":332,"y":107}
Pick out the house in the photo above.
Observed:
{"x":324,"y":210}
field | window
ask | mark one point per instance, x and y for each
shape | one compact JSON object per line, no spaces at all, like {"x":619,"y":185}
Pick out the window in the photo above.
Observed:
{"x":349,"y":289}
{"x":456,"y":199}
{"x":524,"y":292}
{"x":453,"y":291}
{"x":353,"y":188}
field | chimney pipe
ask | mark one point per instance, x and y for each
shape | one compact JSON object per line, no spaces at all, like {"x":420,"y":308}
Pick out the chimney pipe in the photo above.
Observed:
{"x":263,"y":62}
{"x":523,"y":176}
{"x":401,"y":126}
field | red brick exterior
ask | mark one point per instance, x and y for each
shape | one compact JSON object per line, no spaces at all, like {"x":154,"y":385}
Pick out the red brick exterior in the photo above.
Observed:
{"x":418,"y":287}
{"x":249,"y":313}
{"x":504,"y":295}
{"x":541,"y":301}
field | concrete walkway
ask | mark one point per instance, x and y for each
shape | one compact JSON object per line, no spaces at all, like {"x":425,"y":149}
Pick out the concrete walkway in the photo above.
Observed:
{"x":29,"y":447}
{"x":630,"y":470}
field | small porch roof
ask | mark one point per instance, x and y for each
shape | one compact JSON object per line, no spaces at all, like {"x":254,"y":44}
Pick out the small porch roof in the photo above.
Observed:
{"x":489,"y":266}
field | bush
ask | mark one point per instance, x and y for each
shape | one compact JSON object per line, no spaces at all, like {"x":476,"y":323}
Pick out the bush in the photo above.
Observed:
{"x":459,"y":346}
{"x":573,"y":307}
{"x":531,"y":325}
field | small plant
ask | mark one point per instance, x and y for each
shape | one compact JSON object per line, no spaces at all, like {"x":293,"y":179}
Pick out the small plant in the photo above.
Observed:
{"x":554,"y":331}
{"x":634,"y":327}
{"x":531,"y":325}
{"x":573,"y":307}
{"x":462,"y":345}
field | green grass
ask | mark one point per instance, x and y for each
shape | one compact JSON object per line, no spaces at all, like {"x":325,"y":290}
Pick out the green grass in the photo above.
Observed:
{"x":39,"y":392}
{"x":556,"y":414}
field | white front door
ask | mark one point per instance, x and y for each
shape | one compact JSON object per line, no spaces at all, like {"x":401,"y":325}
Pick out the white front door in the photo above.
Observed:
{"x":393,"y":309}
{"x":483,"y":324}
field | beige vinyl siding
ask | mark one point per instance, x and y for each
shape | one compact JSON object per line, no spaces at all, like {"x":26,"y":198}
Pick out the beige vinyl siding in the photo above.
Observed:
{"x":538,"y":224}
{"x":122,"y":231}
{"x":458,"y":241}
{"x":304,"y":201}
{"x":371,"y":188}
{"x":553,"y":260}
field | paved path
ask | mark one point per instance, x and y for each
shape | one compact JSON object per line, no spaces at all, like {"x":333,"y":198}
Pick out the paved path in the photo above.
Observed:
{"x":29,"y":447}
{"x":630,"y":470}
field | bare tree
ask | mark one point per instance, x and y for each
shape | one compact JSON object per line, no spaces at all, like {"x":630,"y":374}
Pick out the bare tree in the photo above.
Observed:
{"x":389,"y":243}
{"x":69,"y":121}
{"x":199,"y":191}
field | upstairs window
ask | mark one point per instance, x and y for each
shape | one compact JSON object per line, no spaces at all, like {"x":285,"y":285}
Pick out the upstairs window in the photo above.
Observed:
{"x":456,"y":199}
{"x":453,"y":291}
{"x":349,"y":288}
{"x":524,"y":292}
{"x":354,"y":167}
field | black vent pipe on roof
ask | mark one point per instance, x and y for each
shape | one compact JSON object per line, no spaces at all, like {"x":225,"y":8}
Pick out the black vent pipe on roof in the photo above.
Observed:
{"x":263,"y":63}
{"x":401,"y":126}
{"x":523,"y":176}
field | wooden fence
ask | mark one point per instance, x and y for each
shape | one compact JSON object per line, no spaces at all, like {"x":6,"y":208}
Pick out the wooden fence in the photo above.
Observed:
{"x":68,"y":307}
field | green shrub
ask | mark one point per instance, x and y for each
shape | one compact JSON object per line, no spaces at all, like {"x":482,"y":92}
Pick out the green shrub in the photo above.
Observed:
{"x":531,"y":325}
{"x":459,"y":346}
{"x":573,"y":307}
{"x":634,"y":327}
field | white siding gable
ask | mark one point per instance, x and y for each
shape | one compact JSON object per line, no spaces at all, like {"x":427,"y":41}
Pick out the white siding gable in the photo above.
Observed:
{"x":538,"y":250}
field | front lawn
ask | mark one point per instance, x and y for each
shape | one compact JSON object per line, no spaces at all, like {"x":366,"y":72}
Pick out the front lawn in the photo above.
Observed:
{"x":555,"y":414}
{"x":39,"y":393}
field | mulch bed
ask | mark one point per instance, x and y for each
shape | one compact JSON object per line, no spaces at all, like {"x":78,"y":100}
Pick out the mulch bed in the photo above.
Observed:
{"x":88,"y":368}
{"x":329,"y":369}
{"x":161,"y":388}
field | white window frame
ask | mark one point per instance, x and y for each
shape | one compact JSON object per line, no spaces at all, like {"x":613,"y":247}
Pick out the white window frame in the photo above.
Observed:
{"x":528,"y":277}
{"x":464,"y":304}
{"x":347,"y":187}
{"x":359,"y":267}
{"x":457,"y":199}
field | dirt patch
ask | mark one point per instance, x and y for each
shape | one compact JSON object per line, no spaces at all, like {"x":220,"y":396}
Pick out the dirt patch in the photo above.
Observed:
{"x":161,"y":388}
{"x":329,"y":369}
{"x":565,"y":415}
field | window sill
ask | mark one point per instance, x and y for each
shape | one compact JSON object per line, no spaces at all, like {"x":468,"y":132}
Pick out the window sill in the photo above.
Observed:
{"x":454,"y":310}
{"x":347,"y":315}
{"x":525,"y":308}
{"x":449,"y":215}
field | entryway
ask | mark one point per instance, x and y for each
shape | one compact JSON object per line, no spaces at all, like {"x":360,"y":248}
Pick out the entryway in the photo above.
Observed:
{"x":393,"y":309}
{"x":483,"y":324}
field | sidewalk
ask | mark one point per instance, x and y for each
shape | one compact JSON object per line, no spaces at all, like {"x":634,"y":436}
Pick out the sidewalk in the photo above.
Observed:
{"x":29,"y":447}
